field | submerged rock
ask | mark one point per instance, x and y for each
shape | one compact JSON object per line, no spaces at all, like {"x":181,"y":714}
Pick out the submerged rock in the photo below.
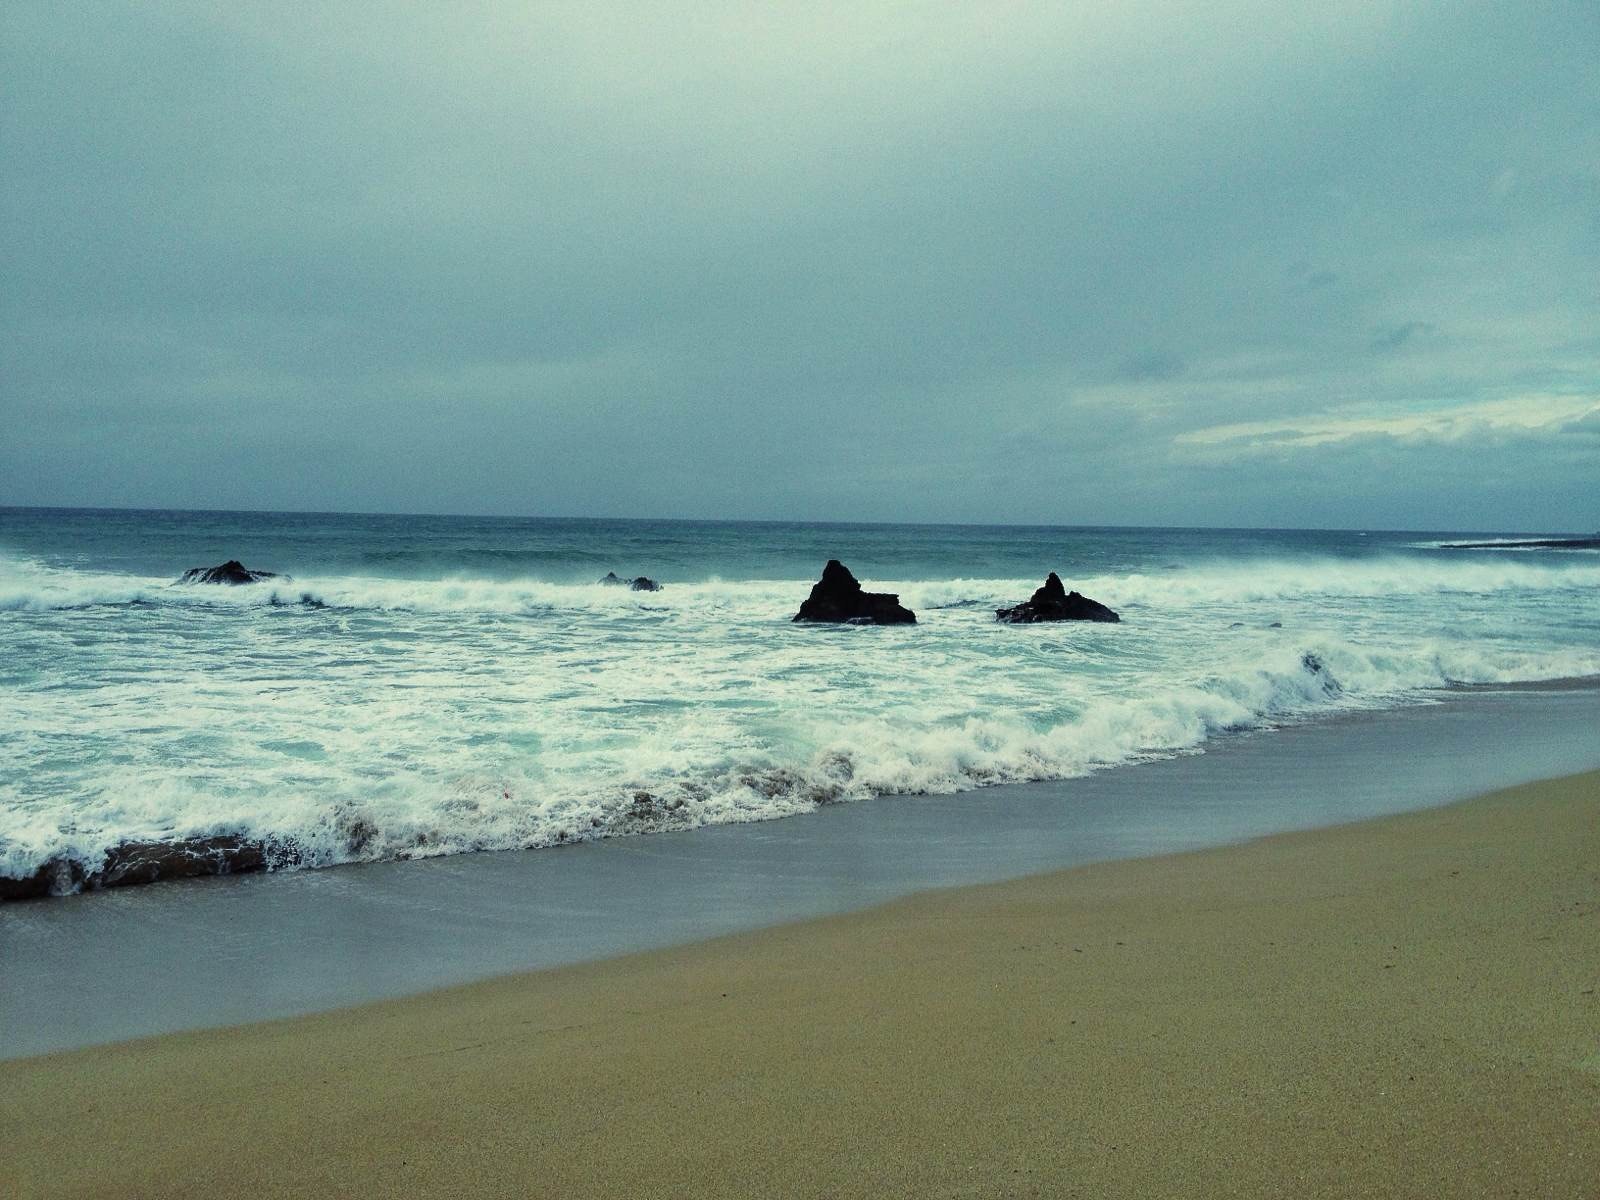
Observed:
{"x":141,"y":862}
{"x":26,"y":888}
{"x":641,"y":584}
{"x":838,"y":598}
{"x":58,"y":876}
{"x":232,"y":572}
{"x":1053,"y":602}
{"x":145,"y":862}
{"x":1313,"y":666}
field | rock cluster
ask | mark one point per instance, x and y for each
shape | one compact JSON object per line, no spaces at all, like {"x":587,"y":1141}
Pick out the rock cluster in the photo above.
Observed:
{"x":641,"y":584}
{"x":837,"y":597}
{"x":1053,"y":602}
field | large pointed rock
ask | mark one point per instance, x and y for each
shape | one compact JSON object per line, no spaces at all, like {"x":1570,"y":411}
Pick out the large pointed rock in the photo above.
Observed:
{"x":837,"y":597}
{"x":1053,"y":602}
{"x":232,"y":572}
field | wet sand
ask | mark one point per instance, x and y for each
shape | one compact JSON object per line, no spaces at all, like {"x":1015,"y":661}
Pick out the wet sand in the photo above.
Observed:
{"x":1404,"y":1007}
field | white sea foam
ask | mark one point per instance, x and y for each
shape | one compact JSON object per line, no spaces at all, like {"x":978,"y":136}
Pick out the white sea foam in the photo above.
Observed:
{"x":26,"y":586}
{"x":419,"y":717}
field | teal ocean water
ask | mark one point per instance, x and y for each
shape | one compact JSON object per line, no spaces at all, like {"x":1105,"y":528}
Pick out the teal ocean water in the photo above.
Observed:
{"x":429,"y":685}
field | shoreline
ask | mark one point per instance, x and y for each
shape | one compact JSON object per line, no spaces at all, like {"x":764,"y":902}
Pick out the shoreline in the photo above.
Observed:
{"x":139,"y":862}
{"x":256,"y":947}
{"x":1404,"y":1006}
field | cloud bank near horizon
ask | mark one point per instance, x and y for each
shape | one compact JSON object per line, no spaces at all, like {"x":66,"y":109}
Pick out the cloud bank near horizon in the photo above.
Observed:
{"x":1235,"y":263}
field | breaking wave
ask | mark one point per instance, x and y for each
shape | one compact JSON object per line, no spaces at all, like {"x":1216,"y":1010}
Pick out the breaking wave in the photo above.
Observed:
{"x":422,"y":814}
{"x":30,"y":587}
{"x":343,"y":718}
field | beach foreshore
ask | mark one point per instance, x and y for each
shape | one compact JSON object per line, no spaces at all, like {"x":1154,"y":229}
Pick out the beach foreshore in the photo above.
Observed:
{"x":1408,"y":1006}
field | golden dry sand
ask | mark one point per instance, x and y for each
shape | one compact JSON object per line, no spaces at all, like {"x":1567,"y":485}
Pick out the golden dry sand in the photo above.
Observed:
{"x":1406,"y":1007}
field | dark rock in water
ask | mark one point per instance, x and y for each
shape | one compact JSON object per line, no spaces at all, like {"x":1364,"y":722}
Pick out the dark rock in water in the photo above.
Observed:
{"x":145,"y":862}
{"x":141,"y":862}
{"x":838,"y":598}
{"x":232,"y":571}
{"x":641,"y":584}
{"x":57,"y":876}
{"x":1053,"y":602}
{"x":28,"y":887}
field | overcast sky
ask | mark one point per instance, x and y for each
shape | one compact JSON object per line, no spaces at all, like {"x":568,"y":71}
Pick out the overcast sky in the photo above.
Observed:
{"x":1221,"y":262}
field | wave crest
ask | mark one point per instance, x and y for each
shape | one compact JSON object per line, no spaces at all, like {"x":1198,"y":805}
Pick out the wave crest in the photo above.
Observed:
{"x":885,"y":755}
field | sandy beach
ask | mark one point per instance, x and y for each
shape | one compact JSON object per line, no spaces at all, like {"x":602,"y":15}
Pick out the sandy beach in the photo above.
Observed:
{"x":1403,"y":1007}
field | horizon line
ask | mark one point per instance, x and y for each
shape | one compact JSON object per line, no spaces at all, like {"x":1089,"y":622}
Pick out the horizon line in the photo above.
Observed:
{"x":329,"y":512}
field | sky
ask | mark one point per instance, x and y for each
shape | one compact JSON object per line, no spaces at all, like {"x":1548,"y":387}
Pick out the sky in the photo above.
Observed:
{"x":1211,"y":263}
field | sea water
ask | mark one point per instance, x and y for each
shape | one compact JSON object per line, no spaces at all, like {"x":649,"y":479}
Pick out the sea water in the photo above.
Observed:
{"x":426,"y":685}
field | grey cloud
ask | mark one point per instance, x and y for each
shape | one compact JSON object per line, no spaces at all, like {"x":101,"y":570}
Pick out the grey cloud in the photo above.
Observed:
{"x":774,"y":265}
{"x":1392,"y":337}
{"x":1586,"y":426}
{"x":1152,"y":364}
{"x":1306,"y":278}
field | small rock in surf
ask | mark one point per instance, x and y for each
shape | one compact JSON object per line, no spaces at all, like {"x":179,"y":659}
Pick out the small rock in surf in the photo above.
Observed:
{"x":1053,"y":602}
{"x":641,"y":584}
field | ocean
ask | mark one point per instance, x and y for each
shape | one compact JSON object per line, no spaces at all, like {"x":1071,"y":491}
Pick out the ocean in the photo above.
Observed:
{"x":428,"y":685}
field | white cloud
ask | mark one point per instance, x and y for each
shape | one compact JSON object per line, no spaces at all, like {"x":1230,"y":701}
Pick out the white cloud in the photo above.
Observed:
{"x":1519,"y":415}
